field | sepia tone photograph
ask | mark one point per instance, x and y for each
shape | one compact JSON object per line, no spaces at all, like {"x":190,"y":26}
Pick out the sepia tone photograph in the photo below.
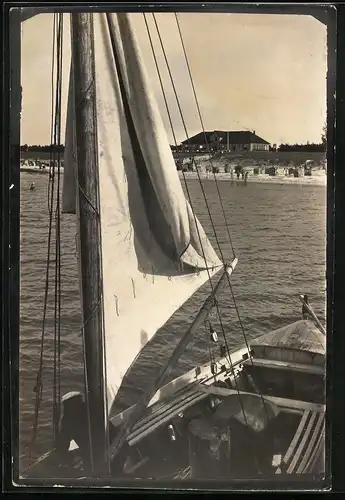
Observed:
{"x":173,"y":198}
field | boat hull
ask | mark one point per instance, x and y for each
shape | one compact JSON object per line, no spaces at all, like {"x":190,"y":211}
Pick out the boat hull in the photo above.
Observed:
{"x":162,"y":444}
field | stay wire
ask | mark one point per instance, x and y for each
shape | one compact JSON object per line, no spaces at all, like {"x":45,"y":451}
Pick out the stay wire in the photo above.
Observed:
{"x":203,"y":129}
{"x":224,"y":215}
{"x":56,"y":161}
{"x":211,"y":220}
{"x":186,"y":132}
{"x":185,"y":128}
{"x":174,"y":137}
{"x":210,"y":216}
{"x":39,"y":385}
{"x":52,"y":114}
{"x":175,"y":140}
{"x":188,"y":194}
{"x":104,"y":375}
{"x":220,"y":198}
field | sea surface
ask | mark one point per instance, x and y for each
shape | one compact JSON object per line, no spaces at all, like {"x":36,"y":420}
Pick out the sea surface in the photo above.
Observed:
{"x":278,"y":234}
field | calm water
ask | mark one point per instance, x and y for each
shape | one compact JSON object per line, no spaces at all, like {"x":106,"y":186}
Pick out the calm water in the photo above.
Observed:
{"x":278,"y":233}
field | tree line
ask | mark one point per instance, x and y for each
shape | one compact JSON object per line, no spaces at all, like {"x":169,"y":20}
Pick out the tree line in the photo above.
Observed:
{"x":54,"y":148}
{"x":282,"y":147}
{"x":321,"y":147}
{"x":300,"y":147}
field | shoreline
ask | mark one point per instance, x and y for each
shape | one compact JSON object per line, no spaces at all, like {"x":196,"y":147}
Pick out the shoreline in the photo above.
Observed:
{"x":317,"y":180}
{"x":37,"y":170}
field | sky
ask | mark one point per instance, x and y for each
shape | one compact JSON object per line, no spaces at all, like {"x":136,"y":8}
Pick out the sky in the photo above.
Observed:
{"x":251,"y":72}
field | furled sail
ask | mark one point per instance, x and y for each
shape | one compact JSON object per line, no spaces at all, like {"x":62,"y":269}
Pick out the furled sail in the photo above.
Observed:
{"x":155,"y":254}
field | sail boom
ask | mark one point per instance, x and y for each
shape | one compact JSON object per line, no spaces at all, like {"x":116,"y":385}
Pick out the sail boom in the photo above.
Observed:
{"x":205,"y":309}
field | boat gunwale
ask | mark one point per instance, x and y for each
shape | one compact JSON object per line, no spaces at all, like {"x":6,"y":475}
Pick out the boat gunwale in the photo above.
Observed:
{"x":200,"y":378}
{"x":188,"y":377}
{"x":311,"y":368}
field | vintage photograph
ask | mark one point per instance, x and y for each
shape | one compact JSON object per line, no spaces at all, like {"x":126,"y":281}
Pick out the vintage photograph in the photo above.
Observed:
{"x":172,"y":247}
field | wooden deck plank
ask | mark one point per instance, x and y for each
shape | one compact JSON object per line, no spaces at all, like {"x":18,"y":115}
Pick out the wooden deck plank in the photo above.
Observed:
{"x":301,"y":446}
{"x":163,"y":406}
{"x":311,"y":445}
{"x":121,"y":417}
{"x":184,"y":473}
{"x":170,"y":409}
{"x":300,"y":335}
{"x":134,"y":439}
{"x":320,"y":449}
{"x":296,"y":437}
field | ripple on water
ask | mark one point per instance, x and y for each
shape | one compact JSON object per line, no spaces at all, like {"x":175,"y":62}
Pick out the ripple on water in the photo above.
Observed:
{"x":278,"y":233}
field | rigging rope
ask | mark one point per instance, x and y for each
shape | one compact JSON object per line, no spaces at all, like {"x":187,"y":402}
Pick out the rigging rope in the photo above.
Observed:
{"x":203,"y":129}
{"x":220,"y":198}
{"x":55,"y":136}
{"x":175,"y":140}
{"x":209,"y":212}
{"x":185,"y":180}
{"x":210,"y":216}
{"x":57,"y":161}
{"x":215,"y":178}
{"x":50,"y":180}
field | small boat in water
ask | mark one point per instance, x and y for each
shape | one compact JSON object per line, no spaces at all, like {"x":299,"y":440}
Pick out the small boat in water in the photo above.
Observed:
{"x":253,"y":412}
{"x":32,"y":186}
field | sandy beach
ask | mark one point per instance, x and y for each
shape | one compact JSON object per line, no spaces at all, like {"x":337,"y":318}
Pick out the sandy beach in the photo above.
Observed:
{"x":37,"y":170}
{"x":319,"y":179}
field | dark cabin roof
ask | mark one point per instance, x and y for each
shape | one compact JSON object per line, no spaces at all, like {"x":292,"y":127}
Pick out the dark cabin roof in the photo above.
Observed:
{"x":237,"y":137}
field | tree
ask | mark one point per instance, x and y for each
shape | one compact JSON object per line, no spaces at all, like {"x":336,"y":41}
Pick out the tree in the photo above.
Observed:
{"x":324,"y":135}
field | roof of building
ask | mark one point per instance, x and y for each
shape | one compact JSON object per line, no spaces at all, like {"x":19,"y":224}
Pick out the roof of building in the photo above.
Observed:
{"x":235,"y":137}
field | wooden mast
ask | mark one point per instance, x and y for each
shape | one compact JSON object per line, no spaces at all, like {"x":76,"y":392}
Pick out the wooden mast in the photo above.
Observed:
{"x":83,"y":60}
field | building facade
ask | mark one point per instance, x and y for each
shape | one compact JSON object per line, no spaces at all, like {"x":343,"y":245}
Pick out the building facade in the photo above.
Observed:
{"x":231,"y":141}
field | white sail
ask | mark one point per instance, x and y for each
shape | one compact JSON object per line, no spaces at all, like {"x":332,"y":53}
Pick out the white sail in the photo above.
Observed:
{"x":154,"y":253}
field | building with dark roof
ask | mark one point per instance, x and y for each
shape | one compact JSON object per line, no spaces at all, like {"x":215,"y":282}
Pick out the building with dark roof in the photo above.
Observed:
{"x":218,"y":140}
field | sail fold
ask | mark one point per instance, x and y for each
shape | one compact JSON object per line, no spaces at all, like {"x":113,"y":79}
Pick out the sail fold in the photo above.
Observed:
{"x":155,"y":253}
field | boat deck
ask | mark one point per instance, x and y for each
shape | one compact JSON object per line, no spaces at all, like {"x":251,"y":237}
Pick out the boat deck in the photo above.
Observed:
{"x":300,"y":428}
